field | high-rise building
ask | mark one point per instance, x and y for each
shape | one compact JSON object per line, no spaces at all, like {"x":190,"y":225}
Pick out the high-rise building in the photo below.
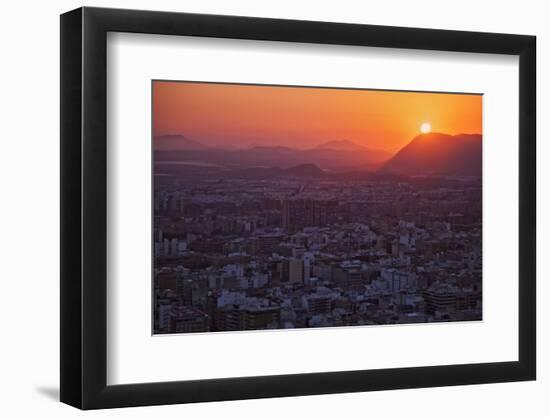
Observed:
{"x":248,"y":317}
{"x":188,"y":319}
{"x":268,"y":243}
{"x":297,"y":214}
{"x":295,"y":271}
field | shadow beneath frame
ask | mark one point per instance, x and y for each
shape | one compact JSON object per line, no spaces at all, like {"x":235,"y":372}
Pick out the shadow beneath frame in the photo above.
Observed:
{"x":50,"y":392}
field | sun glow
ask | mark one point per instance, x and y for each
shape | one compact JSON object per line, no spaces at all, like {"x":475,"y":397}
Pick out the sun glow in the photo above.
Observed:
{"x":425,"y":127}
{"x":243,"y":115}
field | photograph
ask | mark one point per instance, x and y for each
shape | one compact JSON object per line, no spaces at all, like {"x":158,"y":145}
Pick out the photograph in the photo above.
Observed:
{"x":244,"y":208}
{"x":294,"y":207}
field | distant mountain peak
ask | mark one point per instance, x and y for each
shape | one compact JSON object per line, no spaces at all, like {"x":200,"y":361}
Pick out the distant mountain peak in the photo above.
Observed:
{"x":310,"y":170}
{"x":177,"y":143}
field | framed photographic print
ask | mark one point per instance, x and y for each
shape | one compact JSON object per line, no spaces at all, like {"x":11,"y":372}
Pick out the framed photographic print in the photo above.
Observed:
{"x":256,"y":207}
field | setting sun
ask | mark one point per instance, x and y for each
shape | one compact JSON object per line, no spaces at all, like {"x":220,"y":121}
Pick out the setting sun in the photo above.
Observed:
{"x":425,"y":128}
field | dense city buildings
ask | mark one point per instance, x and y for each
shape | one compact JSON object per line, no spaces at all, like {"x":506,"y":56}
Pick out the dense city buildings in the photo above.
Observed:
{"x":251,"y":249}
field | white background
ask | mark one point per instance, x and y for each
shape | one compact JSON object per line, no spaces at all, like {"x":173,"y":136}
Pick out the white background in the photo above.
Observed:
{"x":133,"y":60}
{"x":30,"y":204}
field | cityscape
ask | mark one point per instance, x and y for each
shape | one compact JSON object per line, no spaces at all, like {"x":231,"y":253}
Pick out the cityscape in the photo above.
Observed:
{"x":337,"y":232}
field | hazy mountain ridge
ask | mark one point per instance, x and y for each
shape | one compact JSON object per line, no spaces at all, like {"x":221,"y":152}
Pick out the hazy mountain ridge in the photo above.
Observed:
{"x":177,"y":143}
{"x":325,"y":157}
{"x":426,"y":154}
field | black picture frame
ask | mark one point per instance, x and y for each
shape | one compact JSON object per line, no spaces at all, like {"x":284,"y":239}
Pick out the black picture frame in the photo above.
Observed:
{"x":84,"y":207}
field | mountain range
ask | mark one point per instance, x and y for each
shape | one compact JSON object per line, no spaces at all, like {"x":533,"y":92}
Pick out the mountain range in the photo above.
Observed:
{"x":426,"y":155}
{"x":333,"y":155}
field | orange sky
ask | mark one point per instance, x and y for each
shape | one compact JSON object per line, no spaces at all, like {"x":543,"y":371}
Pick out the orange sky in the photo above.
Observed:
{"x":248,"y":115}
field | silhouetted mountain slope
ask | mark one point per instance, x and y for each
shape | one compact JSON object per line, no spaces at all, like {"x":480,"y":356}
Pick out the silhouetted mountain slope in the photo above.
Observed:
{"x":438,"y":154}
